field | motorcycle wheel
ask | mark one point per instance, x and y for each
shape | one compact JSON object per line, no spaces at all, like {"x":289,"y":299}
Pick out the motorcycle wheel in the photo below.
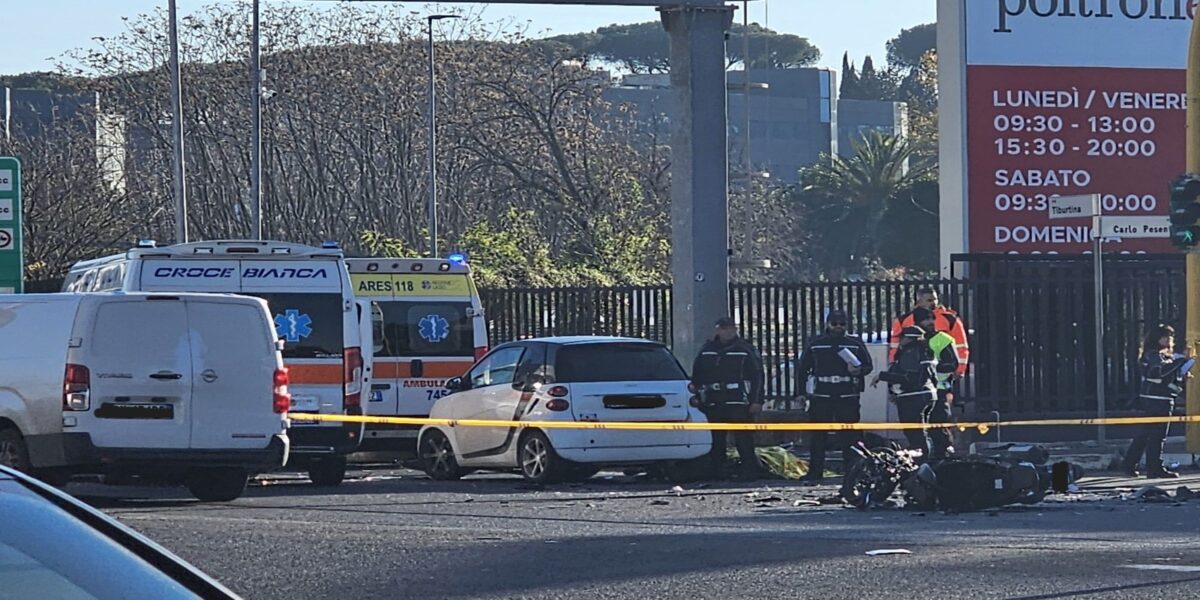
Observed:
{"x":867,"y":483}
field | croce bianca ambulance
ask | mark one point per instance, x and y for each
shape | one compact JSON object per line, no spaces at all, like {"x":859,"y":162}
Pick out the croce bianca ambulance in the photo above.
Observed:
{"x":428,"y":328}
{"x":308,"y":293}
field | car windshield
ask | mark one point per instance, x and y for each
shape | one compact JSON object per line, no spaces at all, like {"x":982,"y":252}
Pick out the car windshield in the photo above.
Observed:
{"x":616,"y":362}
{"x":46,"y":553}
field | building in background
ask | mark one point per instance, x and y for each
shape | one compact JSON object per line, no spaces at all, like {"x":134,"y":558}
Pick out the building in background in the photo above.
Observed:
{"x":795,"y":116}
{"x":42,"y":113}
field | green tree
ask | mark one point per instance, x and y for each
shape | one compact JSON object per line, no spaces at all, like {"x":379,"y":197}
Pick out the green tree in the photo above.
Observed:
{"x":646,"y":48}
{"x":854,"y":195}
{"x":849,"y":88}
{"x":909,"y":47}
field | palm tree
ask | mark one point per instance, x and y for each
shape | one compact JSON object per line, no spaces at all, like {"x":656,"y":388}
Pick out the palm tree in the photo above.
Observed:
{"x":860,"y":189}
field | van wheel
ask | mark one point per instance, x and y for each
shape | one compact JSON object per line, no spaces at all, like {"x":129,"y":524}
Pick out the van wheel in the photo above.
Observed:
{"x":538,"y":461}
{"x":13,"y":452}
{"x":218,"y":484}
{"x":328,"y":472}
{"x":437,"y":457}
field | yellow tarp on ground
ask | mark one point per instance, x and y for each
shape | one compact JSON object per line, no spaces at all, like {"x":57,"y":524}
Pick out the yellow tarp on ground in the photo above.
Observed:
{"x":779,"y":462}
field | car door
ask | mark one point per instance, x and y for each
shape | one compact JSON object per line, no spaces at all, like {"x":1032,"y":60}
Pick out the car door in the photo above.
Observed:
{"x":490,"y":392}
{"x":140,"y":363}
{"x":234,"y":360}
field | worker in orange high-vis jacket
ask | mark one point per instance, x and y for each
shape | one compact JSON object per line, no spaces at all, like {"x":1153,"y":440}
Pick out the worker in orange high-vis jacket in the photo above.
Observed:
{"x":945,"y":320}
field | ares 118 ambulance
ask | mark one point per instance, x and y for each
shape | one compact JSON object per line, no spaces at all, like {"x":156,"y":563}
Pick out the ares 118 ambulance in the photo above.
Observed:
{"x":428,"y":328}
{"x":308,"y":293}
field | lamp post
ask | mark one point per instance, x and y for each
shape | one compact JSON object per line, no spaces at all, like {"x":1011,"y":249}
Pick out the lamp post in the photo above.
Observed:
{"x":432,"y":115}
{"x":256,"y":98}
{"x":177,"y":164}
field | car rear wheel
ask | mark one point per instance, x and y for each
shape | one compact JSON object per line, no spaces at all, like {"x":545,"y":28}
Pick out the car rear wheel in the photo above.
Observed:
{"x":437,"y":457}
{"x":13,"y":452}
{"x":538,"y":461}
{"x":216,"y":484}
{"x":328,"y":472}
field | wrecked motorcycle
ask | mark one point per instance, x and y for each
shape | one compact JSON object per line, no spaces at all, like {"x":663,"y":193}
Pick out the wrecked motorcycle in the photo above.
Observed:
{"x":956,"y":484}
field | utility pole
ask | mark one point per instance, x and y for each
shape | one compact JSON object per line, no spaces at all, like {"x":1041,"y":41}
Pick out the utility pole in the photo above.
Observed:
{"x":1193,"y":259}
{"x":180,"y":187}
{"x":747,"y":165}
{"x":432,"y":117}
{"x":256,"y":98}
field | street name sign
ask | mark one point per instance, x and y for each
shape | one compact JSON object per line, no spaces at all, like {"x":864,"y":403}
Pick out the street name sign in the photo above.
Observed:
{"x":1074,"y":207}
{"x":1135,"y":227}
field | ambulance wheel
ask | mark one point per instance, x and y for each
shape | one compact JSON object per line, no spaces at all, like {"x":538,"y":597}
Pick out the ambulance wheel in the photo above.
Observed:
{"x":437,"y":457}
{"x":538,"y":461}
{"x":217,"y":484}
{"x":328,"y":472}
{"x":13,"y":452}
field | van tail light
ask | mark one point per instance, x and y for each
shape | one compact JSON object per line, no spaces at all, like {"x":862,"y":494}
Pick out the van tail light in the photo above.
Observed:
{"x":77,"y":383}
{"x":558,"y":391}
{"x":558,"y":405}
{"x":281,"y":399}
{"x":480,"y":352}
{"x":352,"y":361}
{"x":693,"y":388}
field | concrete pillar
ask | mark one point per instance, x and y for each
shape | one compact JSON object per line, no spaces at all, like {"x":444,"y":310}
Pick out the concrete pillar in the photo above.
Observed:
{"x":699,"y":173}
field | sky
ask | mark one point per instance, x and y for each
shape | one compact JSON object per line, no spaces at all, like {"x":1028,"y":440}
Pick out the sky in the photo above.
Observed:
{"x":33,"y":31}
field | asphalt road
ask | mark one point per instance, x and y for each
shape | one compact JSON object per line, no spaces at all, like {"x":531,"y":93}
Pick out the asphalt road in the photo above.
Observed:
{"x":395,"y":534}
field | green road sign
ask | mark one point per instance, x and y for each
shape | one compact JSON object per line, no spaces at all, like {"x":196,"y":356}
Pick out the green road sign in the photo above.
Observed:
{"x":12,"y":252}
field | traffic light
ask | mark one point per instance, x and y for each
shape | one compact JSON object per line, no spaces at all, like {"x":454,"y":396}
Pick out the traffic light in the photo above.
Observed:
{"x":1185,"y":211}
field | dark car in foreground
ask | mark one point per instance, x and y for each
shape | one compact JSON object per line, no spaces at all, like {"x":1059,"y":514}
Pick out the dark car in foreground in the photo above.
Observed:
{"x":54,"y":546}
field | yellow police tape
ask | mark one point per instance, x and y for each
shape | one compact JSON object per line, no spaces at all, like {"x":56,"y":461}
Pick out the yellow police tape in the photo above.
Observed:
{"x":983,"y":427}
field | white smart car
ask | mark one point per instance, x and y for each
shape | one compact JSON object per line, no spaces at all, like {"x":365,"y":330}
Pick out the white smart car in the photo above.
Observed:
{"x":590,"y":379}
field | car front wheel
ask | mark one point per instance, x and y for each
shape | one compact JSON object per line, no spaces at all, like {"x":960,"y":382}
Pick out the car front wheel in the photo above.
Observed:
{"x":437,"y":457}
{"x":538,"y":461}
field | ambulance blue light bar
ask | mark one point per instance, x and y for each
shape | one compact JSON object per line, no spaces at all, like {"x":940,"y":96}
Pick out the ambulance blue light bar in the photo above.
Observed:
{"x":457,"y":258}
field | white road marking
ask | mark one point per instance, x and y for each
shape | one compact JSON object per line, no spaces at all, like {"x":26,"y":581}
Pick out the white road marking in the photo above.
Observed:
{"x":1172,"y":568}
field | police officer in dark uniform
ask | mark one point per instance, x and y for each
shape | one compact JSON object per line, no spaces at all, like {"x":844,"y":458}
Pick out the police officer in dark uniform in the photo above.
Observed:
{"x":912,"y":379}
{"x":728,"y":378}
{"x":1162,"y":382}
{"x":830,"y":360}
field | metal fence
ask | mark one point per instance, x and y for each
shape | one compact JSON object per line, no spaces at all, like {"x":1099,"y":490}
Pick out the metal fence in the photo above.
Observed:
{"x":1031,"y":321}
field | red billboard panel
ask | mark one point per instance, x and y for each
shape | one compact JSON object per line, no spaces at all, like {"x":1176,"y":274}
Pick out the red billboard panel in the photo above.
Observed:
{"x":1058,"y":97}
{"x":1038,"y":132}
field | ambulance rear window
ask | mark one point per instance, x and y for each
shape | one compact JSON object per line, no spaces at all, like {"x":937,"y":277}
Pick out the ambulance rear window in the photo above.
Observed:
{"x":310,"y":325}
{"x":404,"y":328}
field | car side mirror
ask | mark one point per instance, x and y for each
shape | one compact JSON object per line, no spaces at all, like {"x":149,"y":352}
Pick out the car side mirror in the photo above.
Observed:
{"x":456,"y":384}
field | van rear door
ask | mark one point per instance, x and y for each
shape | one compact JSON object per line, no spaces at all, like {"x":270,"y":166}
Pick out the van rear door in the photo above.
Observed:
{"x":234,"y":359}
{"x":419,"y":344}
{"x":140,"y":363}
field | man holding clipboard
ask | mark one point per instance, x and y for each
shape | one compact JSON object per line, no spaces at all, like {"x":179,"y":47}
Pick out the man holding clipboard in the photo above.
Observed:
{"x":839,"y":363}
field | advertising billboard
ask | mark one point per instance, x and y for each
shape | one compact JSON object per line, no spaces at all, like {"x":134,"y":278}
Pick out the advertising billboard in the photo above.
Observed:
{"x":1045,"y":98}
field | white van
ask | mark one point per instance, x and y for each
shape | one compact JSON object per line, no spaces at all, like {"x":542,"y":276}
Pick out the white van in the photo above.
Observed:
{"x":186,"y":388}
{"x":308,"y":292}
{"x":428,"y":328}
